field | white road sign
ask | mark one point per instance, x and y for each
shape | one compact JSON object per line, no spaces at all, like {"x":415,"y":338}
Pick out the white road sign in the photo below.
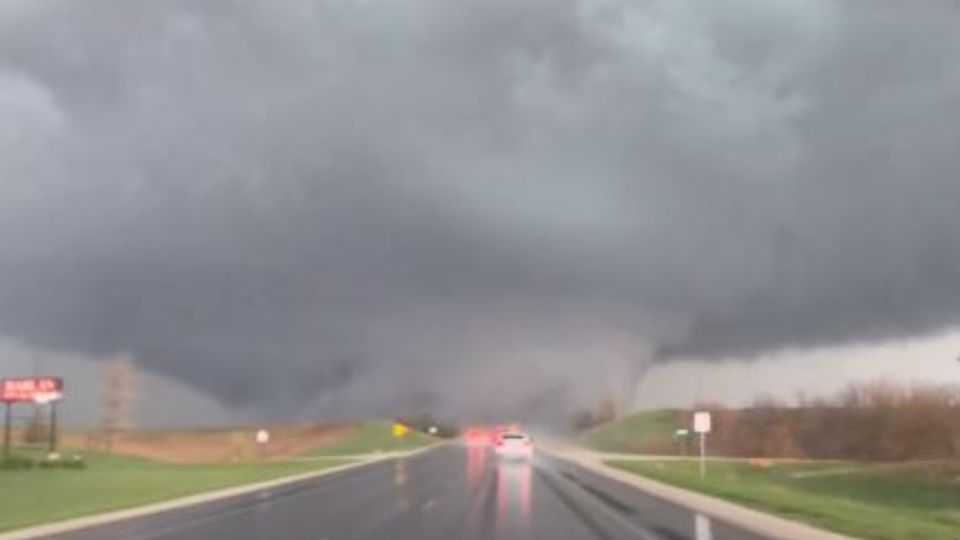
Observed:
{"x":701,"y":422}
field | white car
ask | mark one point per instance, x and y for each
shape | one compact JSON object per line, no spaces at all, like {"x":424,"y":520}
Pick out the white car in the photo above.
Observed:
{"x":513,"y":445}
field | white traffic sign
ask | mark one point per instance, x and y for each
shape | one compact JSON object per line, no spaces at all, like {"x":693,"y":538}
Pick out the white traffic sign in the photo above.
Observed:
{"x":701,"y":422}
{"x":43,"y":398}
{"x":263,"y":436}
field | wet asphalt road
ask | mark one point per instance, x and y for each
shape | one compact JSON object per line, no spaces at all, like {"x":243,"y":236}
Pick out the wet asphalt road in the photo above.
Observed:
{"x":449,"y":493}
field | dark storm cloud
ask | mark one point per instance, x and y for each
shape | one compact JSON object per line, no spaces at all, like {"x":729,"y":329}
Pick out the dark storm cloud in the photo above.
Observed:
{"x":376,"y":204}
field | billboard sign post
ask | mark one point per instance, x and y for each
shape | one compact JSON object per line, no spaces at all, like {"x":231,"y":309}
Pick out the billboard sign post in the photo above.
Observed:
{"x":7,"y":416}
{"x":701,"y":426}
{"x":38,"y":390}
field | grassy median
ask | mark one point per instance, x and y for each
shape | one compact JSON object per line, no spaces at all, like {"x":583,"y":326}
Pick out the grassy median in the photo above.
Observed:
{"x":641,"y":432}
{"x":884,"y":502}
{"x":113,"y":482}
{"x":375,"y":436}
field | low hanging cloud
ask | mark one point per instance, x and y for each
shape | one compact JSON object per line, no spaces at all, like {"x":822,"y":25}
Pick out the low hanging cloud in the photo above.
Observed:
{"x":365,"y":206}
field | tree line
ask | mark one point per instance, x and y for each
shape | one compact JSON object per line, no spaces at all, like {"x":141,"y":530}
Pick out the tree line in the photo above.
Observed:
{"x":874,"y":421}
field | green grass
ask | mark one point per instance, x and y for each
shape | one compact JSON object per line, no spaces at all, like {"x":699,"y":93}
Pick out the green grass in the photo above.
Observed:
{"x":374,"y":436}
{"x":918,"y":501}
{"x":645,"y":431}
{"x":113,"y":482}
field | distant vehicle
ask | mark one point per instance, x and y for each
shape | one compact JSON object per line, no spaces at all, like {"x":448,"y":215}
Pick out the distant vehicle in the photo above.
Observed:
{"x":499,"y":430}
{"x":513,"y":445}
{"x":477,"y":436}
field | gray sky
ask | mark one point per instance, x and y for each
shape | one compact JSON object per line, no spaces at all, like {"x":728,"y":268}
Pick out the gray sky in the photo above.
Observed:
{"x":335,"y":207}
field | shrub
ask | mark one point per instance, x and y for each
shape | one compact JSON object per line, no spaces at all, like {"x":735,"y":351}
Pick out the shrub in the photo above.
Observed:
{"x":878,"y":421}
{"x":75,"y":462}
{"x":14,"y":463}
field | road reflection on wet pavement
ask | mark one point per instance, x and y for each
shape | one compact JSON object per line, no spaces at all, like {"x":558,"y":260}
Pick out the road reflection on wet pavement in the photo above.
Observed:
{"x":454,"y":492}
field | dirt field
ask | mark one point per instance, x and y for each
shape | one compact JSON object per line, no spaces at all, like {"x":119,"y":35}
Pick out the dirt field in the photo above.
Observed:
{"x":215,"y":445}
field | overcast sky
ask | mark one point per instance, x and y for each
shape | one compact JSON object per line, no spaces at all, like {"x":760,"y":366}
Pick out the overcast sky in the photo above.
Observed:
{"x":347,"y":207}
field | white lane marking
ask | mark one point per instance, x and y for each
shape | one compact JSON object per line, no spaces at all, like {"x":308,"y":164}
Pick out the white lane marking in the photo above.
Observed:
{"x":702,"y":527}
{"x":637,"y":530}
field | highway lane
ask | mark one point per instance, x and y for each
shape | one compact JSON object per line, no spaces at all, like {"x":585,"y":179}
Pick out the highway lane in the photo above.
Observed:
{"x":449,"y":493}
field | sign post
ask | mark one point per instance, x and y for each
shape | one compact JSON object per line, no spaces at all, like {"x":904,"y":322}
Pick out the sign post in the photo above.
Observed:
{"x":52,"y":449}
{"x":701,"y":426}
{"x":681,"y":435}
{"x":262,"y":437}
{"x":7,"y":418}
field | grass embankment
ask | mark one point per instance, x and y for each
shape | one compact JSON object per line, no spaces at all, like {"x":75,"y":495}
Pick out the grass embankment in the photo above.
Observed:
{"x":113,"y":482}
{"x":885,"y":502}
{"x":374,"y":436}
{"x":642,"y":432}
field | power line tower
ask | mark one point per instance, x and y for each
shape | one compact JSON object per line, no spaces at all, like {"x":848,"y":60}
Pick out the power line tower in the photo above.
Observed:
{"x":119,"y":392}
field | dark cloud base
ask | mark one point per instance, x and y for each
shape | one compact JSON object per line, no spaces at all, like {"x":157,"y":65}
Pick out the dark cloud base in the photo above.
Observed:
{"x":315,"y":207}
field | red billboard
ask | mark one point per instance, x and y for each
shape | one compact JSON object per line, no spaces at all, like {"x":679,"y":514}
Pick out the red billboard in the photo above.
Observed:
{"x":32,"y":389}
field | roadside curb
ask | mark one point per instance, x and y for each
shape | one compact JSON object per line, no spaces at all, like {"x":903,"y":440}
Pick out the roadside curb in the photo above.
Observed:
{"x":751,"y":520}
{"x":111,"y":516}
